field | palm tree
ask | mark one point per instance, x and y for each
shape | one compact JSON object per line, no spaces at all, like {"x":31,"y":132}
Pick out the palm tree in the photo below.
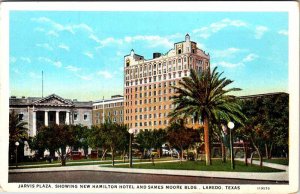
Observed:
{"x":203,"y":95}
{"x":18,"y":132}
{"x":17,"y":128}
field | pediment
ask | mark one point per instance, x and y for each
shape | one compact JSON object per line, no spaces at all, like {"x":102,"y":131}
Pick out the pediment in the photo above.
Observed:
{"x":53,"y":100}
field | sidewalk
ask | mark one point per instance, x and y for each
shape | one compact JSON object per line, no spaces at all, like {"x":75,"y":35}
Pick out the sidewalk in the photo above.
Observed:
{"x":273,"y":176}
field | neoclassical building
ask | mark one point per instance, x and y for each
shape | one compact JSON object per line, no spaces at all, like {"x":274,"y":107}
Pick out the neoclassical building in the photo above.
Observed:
{"x":148,"y":83}
{"x":49,"y":110}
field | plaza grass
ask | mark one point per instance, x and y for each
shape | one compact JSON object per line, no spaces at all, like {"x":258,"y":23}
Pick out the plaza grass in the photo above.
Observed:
{"x":283,"y":161}
{"x":217,"y":165}
{"x":57,"y":163}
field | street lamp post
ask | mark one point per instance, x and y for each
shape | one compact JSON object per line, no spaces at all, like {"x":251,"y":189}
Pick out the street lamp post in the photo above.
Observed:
{"x":231,"y":126}
{"x":130,"y":146}
{"x":17,"y":144}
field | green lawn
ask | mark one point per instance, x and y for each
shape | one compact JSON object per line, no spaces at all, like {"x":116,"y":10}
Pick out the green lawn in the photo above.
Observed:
{"x":57,"y":163}
{"x":283,"y":161}
{"x":217,"y":165}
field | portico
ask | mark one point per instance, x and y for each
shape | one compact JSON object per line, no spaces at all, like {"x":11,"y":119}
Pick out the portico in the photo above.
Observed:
{"x":49,"y":111}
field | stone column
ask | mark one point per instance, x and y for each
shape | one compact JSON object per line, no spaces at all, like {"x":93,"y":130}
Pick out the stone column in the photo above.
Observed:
{"x":46,"y":118}
{"x":67,"y":118}
{"x":57,"y":117}
{"x":34,"y":123}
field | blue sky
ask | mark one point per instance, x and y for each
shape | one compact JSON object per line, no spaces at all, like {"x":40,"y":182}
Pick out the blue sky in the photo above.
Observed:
{"x":81,"y":53}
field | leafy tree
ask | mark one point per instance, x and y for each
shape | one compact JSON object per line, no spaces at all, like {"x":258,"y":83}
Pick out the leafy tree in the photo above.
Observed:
{"x":57,"y":138}
{"x":179,"y":136}
{"x":159,"y":137}
{"x":203,"y":95}
{"x":267,"y":123}
{"x":149,"y":139}
{"x":18,"y":132}
{"x":145,"y":140}
{"x":95,"y":138}
{"x":81,"y":134}
{"x":115,"y":136}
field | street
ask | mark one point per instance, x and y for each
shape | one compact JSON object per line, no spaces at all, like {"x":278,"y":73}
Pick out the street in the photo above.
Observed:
{"x":117,"y":177}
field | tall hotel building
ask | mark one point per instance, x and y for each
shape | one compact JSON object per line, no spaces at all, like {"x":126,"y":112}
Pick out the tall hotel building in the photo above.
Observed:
{"x":147,"y":83}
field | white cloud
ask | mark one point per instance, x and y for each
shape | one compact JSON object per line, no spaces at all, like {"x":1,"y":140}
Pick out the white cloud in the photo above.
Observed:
{"x":105,"y":74}
{"x":250,"y":57}
{"x":34,"y":75}
{"x":228,"y":64}
{"x":85,"y":77}
{"x":89,"y":54}
{"x":260,"y":31}
{"x":72,"y":68}
{"x":283,"y":32}
{"x":57,"y":63}
{"x":229,"y":52}
{"x":206,"y":31}
{"x":152,"y":40}
{"x":82,"y":26}
{"x":52,"y":33}
{"x":26,"y":59}
{"x":110,"y":40}
{"x":45,"y":46}
{"x":106,"y":41}
{"x":60,"y":27}
{"x":51,"y":62}
{"x":64,"y":46}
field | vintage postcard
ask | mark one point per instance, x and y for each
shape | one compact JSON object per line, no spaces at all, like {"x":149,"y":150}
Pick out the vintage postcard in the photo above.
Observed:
{"x":149,"y":97}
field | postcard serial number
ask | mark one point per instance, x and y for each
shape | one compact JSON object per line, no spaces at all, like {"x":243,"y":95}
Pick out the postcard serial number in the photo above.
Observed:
{"x":263,"y":188}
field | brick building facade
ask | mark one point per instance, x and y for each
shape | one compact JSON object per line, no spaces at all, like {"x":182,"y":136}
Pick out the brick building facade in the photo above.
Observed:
{"x":147,"y":83}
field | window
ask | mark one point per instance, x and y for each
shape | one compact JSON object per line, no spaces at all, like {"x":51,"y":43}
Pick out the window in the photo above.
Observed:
{"x":179,"y":60}
{"x":21,"y":117}
{"x":85,"y":117}
{"x":75,"y":116}
{"x":179,"y":51}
